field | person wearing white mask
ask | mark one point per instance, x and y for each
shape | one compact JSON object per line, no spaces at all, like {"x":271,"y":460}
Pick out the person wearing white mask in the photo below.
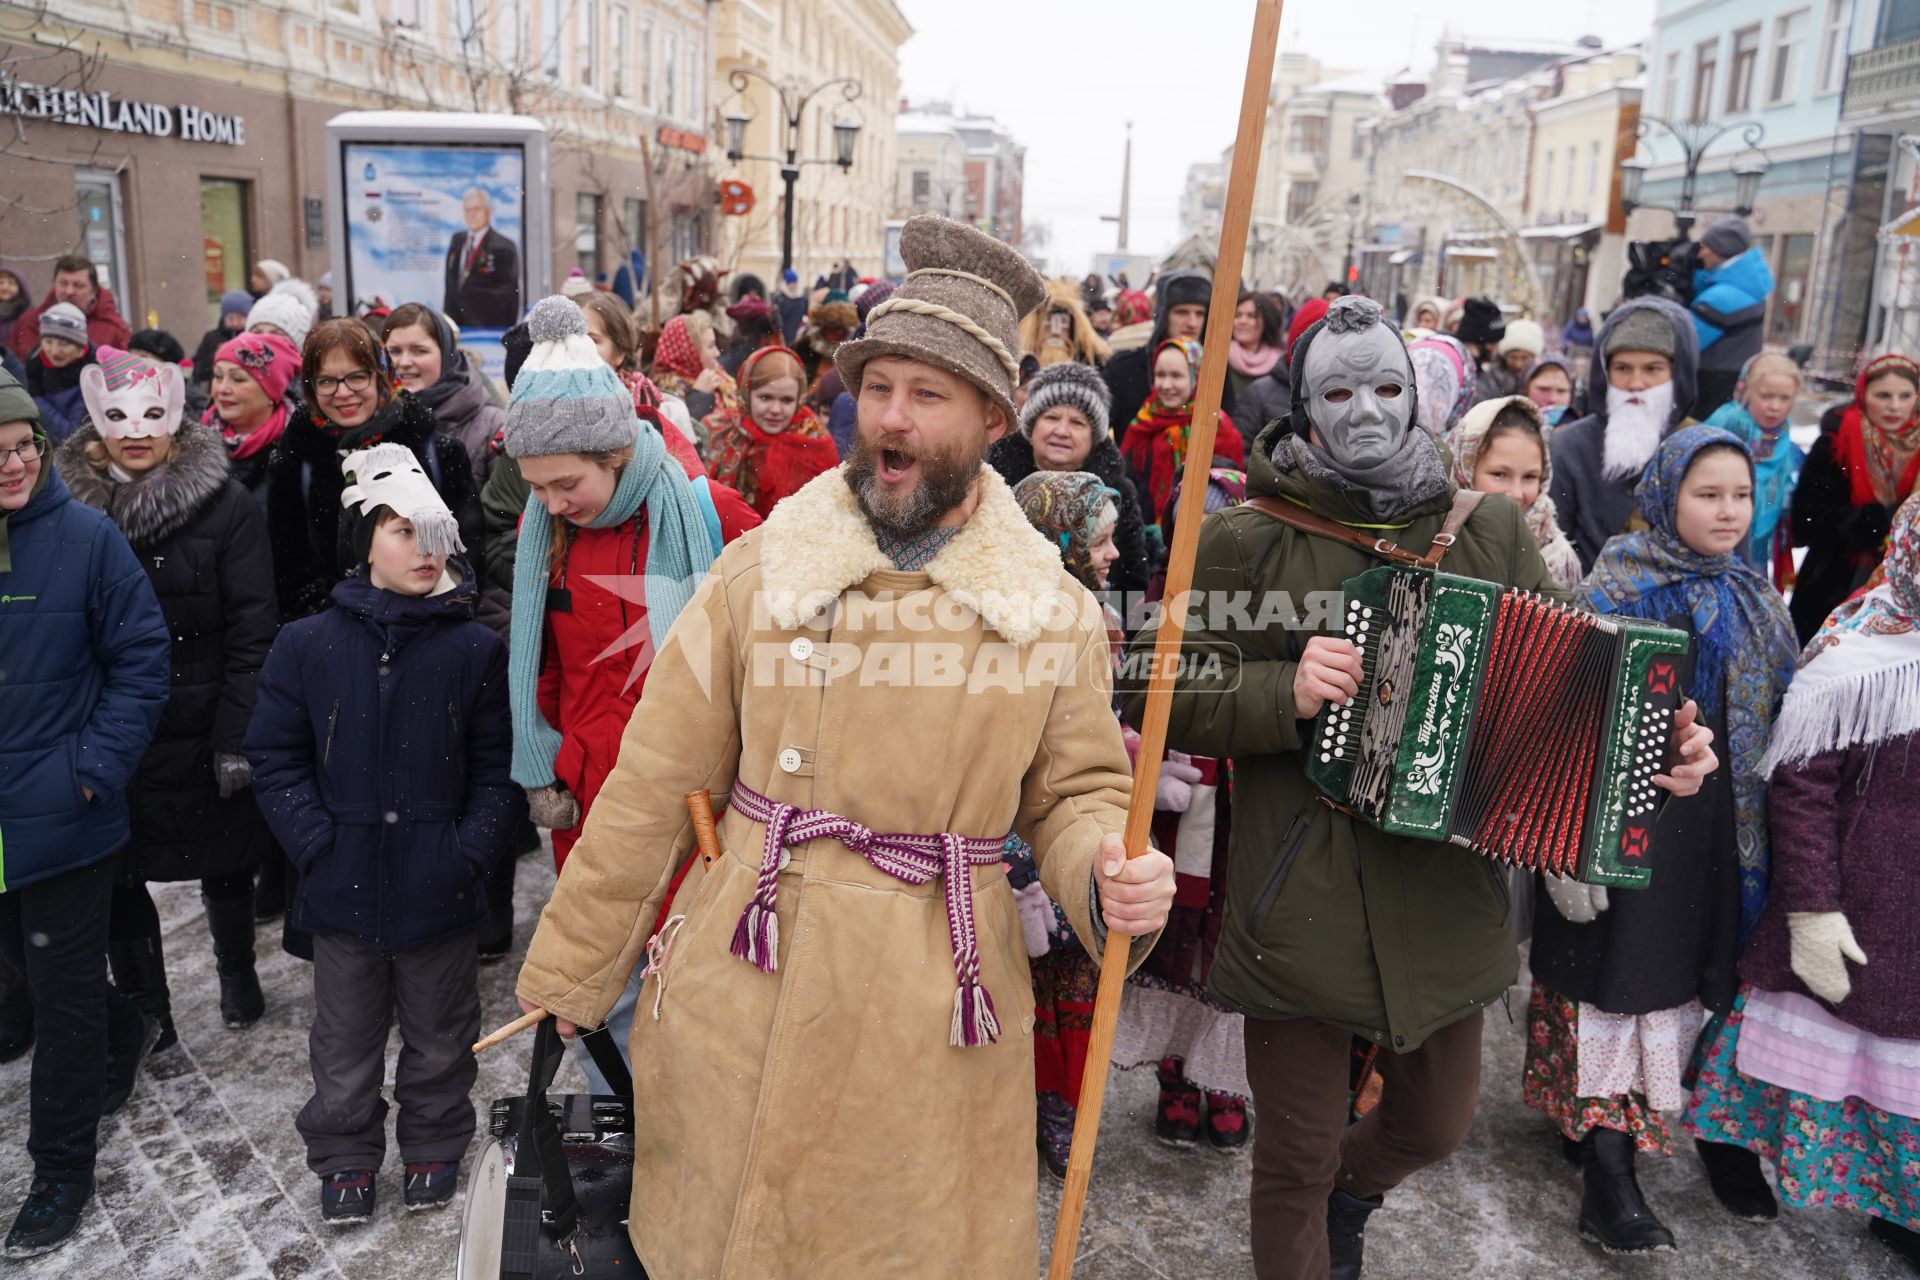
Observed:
{"x":1647,"y":357}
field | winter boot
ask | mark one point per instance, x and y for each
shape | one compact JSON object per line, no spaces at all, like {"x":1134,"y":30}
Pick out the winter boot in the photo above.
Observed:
{"x":1178,"y":1121}
{"x":230,"y":921}
{"x":140,"y":974}
{"x":431,"y":1185}
{"x":1227,"y":1127}
{"x":1897,"y":1238}
{"x":346,"y":1199}
{"x":1055,"y":1133}
{"x":1734,"y":1174}
{"x":1614,"y":1213}
{"x":1346,"y":1233}
{"x":49,"y":1217}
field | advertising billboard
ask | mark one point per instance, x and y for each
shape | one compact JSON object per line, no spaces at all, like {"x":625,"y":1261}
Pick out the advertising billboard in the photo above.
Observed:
{"x":441,"y":208}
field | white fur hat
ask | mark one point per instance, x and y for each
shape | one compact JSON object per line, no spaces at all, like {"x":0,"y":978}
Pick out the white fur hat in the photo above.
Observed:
{"x":291,"y":307}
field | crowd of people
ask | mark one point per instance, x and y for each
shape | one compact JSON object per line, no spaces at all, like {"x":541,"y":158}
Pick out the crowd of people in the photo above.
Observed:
{"x":329,"y":621}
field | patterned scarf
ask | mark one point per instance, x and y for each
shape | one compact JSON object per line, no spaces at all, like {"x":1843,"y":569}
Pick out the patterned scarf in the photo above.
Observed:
{"x":1175,"y":426}
{"x":1066,"y":507}
{"x":1859,"y":680}
{"x":1543,"y":518}
{"x":1443,"y":377}
{"x":679,"y":552}
{"x":676,"y":352}
{"x":1890,"y":456}
{"x":765,"y":466}
{"x":1743,"y":637}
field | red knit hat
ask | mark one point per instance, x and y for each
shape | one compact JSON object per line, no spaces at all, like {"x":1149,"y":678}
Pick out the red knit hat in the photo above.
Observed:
{"x":268,"y":358}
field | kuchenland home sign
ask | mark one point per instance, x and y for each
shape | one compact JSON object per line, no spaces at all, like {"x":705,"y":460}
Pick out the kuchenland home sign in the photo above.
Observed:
{"x":101,"y":110}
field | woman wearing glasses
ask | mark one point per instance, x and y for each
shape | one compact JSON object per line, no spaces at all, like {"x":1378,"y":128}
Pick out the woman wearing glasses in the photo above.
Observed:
{"x":351,"y":403}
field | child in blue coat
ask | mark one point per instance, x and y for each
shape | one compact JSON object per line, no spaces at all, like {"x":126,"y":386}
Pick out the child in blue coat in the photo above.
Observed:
{"x":381,"y":743}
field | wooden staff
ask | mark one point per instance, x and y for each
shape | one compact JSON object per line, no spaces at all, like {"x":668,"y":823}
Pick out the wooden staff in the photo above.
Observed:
{"x":1166,"y":649}
{"x":700,"y":809}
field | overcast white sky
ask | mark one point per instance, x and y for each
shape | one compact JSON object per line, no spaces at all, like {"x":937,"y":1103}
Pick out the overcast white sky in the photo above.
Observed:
{"x":1066,"y":76}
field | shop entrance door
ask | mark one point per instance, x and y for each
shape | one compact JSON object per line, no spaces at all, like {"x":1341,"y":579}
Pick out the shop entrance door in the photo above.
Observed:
{"x":103,"y":236}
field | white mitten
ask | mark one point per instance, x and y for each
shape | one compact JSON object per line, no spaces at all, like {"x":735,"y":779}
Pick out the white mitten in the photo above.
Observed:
{"x":1821,"y":943}
{"x":1036,"y":918}
{"x":1579,"y":902}
{"x":1174,"y":794}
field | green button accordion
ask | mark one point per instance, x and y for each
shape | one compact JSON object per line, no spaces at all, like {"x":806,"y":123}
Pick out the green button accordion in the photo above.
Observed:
{"x":1499,"y":720}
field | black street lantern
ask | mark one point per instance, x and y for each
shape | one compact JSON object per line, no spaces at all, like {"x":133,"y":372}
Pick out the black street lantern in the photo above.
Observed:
{"x":1695,"y":137}
{"x":793,"y":106}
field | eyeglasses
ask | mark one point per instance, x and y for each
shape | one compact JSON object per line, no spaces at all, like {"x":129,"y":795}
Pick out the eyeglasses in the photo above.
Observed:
{"x":32,"y":451}
{"x":359,"y":380}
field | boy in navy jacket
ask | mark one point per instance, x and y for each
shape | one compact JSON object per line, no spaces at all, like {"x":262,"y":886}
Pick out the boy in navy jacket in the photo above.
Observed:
{"x":381,"y":744}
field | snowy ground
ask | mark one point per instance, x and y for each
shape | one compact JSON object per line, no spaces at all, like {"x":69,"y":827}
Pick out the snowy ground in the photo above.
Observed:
{"x":203,"y":1175}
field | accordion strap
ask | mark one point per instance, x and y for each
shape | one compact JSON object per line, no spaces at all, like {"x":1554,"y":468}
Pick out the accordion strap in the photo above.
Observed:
{"x":1309,"y":521}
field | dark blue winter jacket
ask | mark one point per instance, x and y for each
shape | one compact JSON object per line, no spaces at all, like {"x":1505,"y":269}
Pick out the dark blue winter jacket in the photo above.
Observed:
{"x":84,"y":676}
{"x":381,"y":744}
{"x":1729,"y":309}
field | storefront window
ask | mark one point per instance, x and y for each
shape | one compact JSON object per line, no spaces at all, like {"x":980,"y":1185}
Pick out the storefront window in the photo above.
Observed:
{"x":223,"y":237}
{"x":97,"y":194}
{"x":1792,"y":263}
{"x":586,"y":234}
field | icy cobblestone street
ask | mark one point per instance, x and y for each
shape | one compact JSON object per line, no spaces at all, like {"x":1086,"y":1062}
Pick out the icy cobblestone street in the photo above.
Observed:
{"x":203,"y":1175}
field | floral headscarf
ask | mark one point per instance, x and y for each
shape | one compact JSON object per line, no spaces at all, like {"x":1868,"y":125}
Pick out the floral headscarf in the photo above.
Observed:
{"x":1068,"y":507}
{"x":1443,"y":376}
{"x":677,"y":351}
{"x":1743,"y":638}
{"x":1890,"y":457}
{"x":1563,"y":563}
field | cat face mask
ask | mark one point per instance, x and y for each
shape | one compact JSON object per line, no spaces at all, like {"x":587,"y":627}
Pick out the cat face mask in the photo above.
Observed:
{"x":130,"y":399}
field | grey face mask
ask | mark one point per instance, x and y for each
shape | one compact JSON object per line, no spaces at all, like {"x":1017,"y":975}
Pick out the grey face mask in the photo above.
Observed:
{"x":1359,"y":395}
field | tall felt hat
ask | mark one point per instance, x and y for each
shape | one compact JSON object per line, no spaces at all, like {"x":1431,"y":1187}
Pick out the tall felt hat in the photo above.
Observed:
{"x":566,"y":399}
{"x":388,"y":475}
{"x":959,"y":309}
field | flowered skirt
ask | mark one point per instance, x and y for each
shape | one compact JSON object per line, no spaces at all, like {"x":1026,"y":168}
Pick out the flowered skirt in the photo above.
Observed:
{"x":1841,"y":1155}
{"x":1064,"y":983}
{"x":1550,"y":1081}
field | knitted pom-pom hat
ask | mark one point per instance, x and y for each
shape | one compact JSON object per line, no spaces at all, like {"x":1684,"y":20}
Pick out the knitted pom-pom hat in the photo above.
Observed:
{"x":1070,"y":383}
{"x":566,"y":399}
{"x":959,"y":309}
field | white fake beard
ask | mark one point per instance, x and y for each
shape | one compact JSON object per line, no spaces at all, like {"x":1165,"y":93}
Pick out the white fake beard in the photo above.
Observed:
{"x":1636,"y":421}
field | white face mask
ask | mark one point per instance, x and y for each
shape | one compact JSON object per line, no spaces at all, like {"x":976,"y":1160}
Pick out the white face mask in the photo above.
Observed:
{"x":130,"y":399}
{"x":1636,"y":423}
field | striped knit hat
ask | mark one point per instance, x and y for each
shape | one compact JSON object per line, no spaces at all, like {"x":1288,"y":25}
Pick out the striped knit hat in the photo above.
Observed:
{"x":1078,"y":386}
{"x":566,"y":399}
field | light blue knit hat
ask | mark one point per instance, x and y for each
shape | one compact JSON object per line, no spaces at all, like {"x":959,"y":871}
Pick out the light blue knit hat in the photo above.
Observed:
{"x":566,"y":399}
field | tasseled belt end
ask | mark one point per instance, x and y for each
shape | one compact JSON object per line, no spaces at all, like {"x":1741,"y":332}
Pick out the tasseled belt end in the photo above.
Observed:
{"x":756,"y":939}
{"x":974,"y":1023}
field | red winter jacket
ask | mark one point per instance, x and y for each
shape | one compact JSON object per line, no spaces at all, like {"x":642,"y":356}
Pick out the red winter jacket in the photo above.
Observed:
{"x":106,"y":327}
{"x":588,"y":680}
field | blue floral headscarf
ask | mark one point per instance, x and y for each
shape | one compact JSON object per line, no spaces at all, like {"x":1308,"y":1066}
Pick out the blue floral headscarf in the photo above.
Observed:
{"x":1745,"y":650}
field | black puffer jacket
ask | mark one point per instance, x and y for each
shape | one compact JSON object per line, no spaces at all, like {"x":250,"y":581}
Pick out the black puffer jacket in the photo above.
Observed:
{"x":1012,"y":457}
{"x":203,"y":543}
{"x":311,"y":545}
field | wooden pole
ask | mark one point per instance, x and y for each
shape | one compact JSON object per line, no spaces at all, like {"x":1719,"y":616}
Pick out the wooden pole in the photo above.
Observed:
{"x":1186,"y":540}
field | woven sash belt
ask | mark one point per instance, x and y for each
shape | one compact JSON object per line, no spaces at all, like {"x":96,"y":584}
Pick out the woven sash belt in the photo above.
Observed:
{"x":914,"y":859}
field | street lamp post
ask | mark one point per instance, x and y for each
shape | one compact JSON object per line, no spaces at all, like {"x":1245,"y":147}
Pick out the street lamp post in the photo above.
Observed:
{"x":1695,"y":137}
{"x":793,"y":105}
{"x":1353,"y":219}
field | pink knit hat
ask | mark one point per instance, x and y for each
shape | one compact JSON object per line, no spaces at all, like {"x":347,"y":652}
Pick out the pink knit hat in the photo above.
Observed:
{"x":268,"y":358}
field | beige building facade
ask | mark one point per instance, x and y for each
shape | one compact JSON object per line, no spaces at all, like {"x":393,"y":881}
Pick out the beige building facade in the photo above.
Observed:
{"x":840,"y":214}
{"x":1575,"y":226}
{"x":623,"y":86}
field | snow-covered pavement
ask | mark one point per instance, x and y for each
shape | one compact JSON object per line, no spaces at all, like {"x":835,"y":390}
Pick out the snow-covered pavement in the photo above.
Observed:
{"x":202,"y":1174}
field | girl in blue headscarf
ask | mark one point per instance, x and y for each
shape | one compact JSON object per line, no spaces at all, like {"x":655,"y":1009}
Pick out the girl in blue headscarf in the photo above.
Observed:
{"x":1759,"y":414}
{"x":1620,"y":981}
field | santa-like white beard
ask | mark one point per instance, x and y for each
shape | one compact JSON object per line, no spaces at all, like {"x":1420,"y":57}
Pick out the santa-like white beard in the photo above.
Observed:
{"x":1636,"y":421}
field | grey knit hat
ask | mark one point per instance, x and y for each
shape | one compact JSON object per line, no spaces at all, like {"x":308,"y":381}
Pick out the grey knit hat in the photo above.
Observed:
{"x":1079,"y":386}
{"x":15,"y":404}
{"x":1642,"y":329}
{"x":566,"y":399}
{"x":1729,"y":237}
{"x":64,"y":320}
{"x":959,"y":309}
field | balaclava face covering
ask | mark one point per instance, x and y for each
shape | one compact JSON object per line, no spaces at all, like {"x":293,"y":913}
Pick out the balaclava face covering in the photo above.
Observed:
{"x":1355,"y":386}
{"x":129,"y":399}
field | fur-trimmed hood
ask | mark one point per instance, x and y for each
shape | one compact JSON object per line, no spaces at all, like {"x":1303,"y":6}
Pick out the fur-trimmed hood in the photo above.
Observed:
{"x":817,"y":543}
{"x":160,"y":503}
